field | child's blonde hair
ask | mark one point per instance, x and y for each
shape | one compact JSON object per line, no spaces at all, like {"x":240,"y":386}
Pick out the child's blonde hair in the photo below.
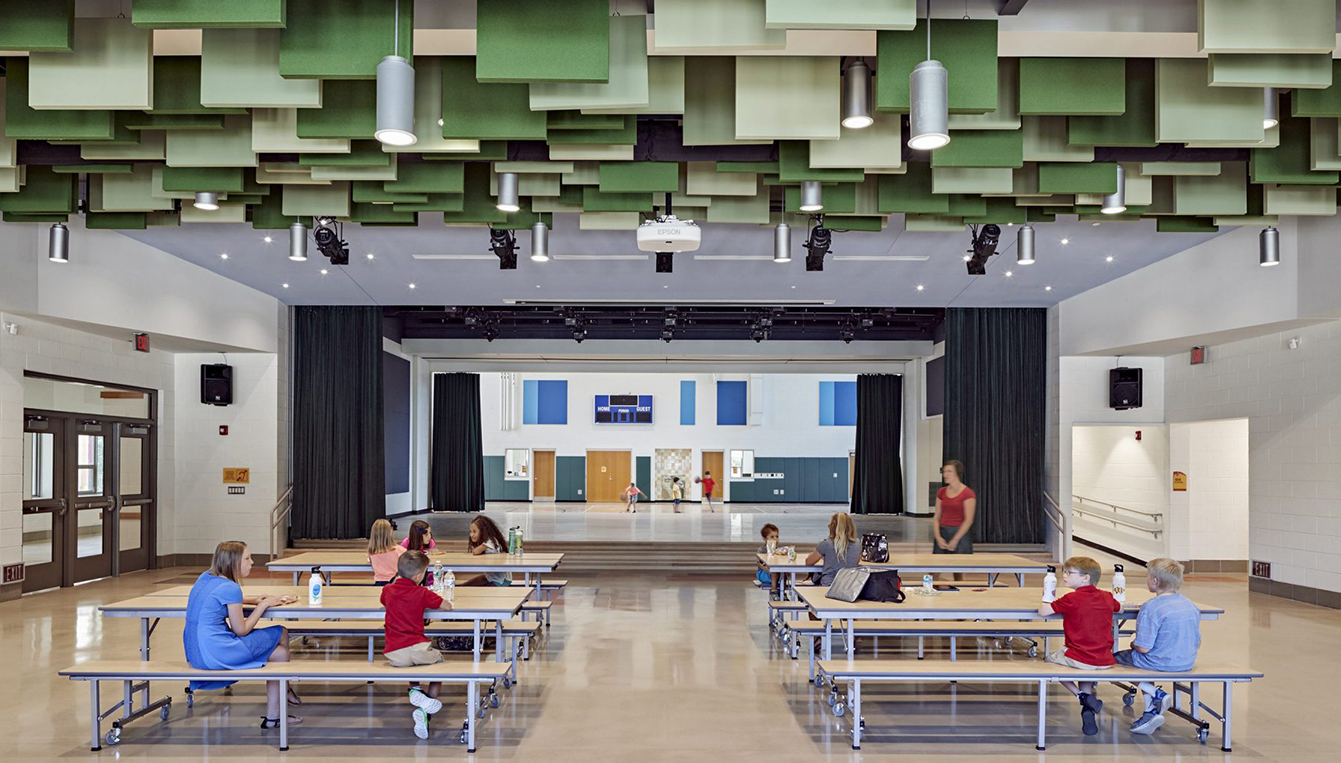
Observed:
{"x":380,"y":538}
{"x":842,"y":531}
{"x":1085,"y":566}
{"x":1167,"y":573}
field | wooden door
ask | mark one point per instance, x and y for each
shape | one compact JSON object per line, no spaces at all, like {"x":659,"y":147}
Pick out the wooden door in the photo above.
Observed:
{"x":713,"y":463}
{"x":607,"y":474}
{"x":543,"y":474}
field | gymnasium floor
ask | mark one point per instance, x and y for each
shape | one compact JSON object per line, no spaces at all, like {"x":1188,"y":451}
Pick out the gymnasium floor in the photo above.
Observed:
{"x":655,"y":669}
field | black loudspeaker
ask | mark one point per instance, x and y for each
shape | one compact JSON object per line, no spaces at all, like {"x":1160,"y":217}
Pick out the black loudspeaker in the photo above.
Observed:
{"x":216,"y":384}
{"x":1124,"y":388}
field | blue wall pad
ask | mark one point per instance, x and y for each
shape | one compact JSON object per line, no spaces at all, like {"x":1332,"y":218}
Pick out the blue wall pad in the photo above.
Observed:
{"x":688,"y":390}
{"x":731,"y":403}
{"x":837,"y":404}
{"x":544,"y":402}
{"x":570,"y":478}
{"x":803,"y":480}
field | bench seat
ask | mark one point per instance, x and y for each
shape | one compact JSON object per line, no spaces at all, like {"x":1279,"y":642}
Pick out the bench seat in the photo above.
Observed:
{"x":540,"y":608}
{"x":856,"y":672}
{"x":519,"y":633}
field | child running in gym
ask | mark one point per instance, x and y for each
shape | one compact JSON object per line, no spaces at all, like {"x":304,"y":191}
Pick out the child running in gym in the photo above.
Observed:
{"x":383,"y":552}
{"x":708,"y":484}
{"x":1087,"y":622}
{"x":405,"y":602}
{"x":1168,"y":634}
{"x":631,"y":494}
{"x":486,"y":538}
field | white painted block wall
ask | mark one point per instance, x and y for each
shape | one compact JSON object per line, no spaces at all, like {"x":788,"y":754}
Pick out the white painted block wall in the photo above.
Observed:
{"x":1109,"y":464}
{"x":1210,"y":518}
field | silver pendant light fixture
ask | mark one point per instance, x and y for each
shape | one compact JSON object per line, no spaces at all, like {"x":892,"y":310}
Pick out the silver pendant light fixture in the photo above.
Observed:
{"x":929,"y":90}
{"x":782,"y":243}
{"x":540,"y":242}
{"x":1268,"y":242}
{"x":395,"y":95}
{"x":1270,"y":108}
{"x":857,"y":96}
{"x":812,"y":196}
{"x":1024,"y":245}
{"x":508,"y":200}
{"x":206,"y":200}
{"x":298,"y":242}
{"x":58,"y":243}
{"x":1116,"y":203}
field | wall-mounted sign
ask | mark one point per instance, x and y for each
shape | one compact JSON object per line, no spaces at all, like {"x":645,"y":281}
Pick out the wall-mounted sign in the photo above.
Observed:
{"x":1179,"y":482}
{"x":236,"y":476}
{"x":1198,"y":355}
{"x":142,"y":343}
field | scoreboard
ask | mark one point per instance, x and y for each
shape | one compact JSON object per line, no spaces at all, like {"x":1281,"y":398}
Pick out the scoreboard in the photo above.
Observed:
{"x":623,"y":409}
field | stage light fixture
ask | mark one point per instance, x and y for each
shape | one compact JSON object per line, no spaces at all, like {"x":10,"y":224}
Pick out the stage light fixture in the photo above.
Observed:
{"x":817,"y":245}
{"x":395,"y":95}
{"x":928,"y":85}
{"x":539,"y":242}
{"x":812,"y":196}
{"x":207,"y":200}
{"x":329,"y":235}
{"x":1269,"y":244}
{"x":508,"y":200}
{"x":298,"y":242}
{"x":782,"y":243}
{"x":982,"y":246}
{"x":58,"y":243}
{"x":857,"y":96}
{"x":504,"y":245}
{"x":667,"y":335}
{"x":1024,"y":245}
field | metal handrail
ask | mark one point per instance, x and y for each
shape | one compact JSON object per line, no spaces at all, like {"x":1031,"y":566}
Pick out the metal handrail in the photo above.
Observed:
{"x":278,"y":519}
{"x":1155,"y":531}
{"x":1157,"y":515}
{"x":1061,"y":520}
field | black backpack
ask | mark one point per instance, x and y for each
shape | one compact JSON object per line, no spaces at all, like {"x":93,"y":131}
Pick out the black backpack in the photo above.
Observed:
{"x":883,"y":585}
{"x":874,"y":548}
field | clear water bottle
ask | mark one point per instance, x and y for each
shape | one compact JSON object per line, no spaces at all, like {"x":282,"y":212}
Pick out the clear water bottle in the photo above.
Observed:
{"x":927,"y":586}
{"x":512,"y":540}
{"x":315,"y":587}
{"x":1119,"y":584}
{"x":449,"y":588}
{"x":791,"y":553}
{"x":437,"y":577}
{"x":1050,"y":585}
{"x":521,"y":538}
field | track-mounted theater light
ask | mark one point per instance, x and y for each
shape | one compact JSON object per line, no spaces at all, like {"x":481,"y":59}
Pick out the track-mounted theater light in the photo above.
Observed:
{"x":782,"y":243}
{"x":507,"y":192}
{"x":298,"y":242}
{"x":1024,"y":245}
{"x":857,"y":96}
{"x":1270,"y":108}
{"x":395,"y":95}
{"x":539,"y":242}
{"x":58,"y":243}
{"x":812,"y":196}
{"x":207,"y":200}
{"x":1116,"y":203}
{"x":1269,"y":243}
{"x":929,"y":94}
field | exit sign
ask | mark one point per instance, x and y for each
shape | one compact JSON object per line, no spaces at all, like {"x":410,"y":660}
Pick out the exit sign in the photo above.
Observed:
{"x":142,"y":343}
{"x":13,"y":573}
{"x":1262,"y":569}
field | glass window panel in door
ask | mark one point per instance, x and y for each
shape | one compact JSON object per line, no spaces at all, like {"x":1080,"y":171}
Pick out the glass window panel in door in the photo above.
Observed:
{"x":38,"y":465}
{"x":132,"y":466}
{"x":130,"y":529}
{"x":37,"y":538}
{"x":89,"y":540}
{"x":90,"y":465}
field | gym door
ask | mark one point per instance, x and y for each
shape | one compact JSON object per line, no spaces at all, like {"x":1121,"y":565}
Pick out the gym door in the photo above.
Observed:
{"x":713,"y":462}
{"x":45,"y":506}
{"x":542,"y":475}
{"x":608,"y":474}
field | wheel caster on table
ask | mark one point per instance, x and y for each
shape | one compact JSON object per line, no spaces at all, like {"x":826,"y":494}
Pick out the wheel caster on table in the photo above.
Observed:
{"x":461,"y":738}
{"x":1203,"y":735}
{"x":493,"y":700}
{"x":819,"y":680}
{"x":862,"y":723}
{"x":1129,"y":698}
{"x":996,"y":643}
{"x":1033,"y":651}
{"x":839,"y":709}
{"x":507,"y":683}
{"x":164,"y":712}
{"x":113,"y":736}
{"x":484,"y":708}
{"x":833,"y":698}
{"x":190,"y":698}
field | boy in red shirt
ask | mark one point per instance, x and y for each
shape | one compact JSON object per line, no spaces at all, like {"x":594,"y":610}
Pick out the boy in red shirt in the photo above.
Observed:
{"x":1087,"y":621}
{"x":708,"y":484}
{"x":406,"y":645}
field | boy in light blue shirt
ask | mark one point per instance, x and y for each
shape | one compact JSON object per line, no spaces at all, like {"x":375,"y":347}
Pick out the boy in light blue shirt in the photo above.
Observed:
{"x":1168,"y":634}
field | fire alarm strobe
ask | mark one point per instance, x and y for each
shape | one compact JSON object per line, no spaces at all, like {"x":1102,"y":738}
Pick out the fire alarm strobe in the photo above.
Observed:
{"x":223,"y":429}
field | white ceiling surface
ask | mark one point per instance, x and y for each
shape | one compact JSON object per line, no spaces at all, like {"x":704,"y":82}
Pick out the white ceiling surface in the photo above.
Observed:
{"x":875,"y":280}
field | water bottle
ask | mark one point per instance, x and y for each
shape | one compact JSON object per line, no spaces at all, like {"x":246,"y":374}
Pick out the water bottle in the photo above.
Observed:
{"x":437,"y":577}
{"x":512,"y":540}
{"x":791,"y":553}
{"x":1050,"y":585}
{"x":521,"y":538}
{"x":449,"y":588}
{"x":771,"y":547}
{"x":315,"y":585}
{"x":927,"y":586}
{"x":1119,"y":584}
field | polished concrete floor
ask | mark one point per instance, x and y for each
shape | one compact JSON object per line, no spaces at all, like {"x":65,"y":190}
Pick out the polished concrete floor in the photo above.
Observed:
{"x":661,"y":669}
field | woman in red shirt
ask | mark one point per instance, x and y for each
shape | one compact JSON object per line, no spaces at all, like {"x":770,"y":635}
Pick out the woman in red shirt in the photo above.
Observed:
{"x":956,"y":503}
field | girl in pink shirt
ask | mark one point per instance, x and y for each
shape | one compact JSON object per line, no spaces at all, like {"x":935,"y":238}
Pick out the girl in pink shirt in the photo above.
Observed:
{"x":420,"y":537}
{"x":383,"y":552}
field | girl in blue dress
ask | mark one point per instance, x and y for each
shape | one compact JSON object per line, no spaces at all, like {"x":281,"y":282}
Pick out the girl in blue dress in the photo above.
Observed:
{"x":218,"y":637}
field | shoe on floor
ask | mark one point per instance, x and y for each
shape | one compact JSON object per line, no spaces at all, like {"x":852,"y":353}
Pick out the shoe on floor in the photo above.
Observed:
{"x":1091,"y":701}
{"x":1087,"y":722}
{"x":420,"y":723}
{"x":1147,"y":723}
{"x":1162,"y":701}
{"x":424,"y":702}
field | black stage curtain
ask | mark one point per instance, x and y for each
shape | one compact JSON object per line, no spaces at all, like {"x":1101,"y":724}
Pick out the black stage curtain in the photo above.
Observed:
{"x":877,"y":485}
{"x":456,"y":473}
{"x":995,"y":393}
{"x":339,"y":469}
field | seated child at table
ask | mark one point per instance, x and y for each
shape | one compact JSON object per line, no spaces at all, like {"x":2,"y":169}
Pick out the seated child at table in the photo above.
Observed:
{"x":420,"y":537}
{"x":406,"y":645}
{"x":486,"y":538}
{"x":1168,"y":634}
{"x":1087,"y":622}
{"x":383,"y":552}
{"x":769,"y":532}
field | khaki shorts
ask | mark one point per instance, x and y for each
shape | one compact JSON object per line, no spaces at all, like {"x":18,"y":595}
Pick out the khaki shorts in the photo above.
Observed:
{"x":422,"y":653}
{"x":1060,"y":658}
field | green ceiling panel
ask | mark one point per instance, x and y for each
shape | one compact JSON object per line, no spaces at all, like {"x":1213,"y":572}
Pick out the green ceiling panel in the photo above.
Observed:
{"x":177,"y":87}
{"x":879,"y":146}
{"x":710,"y":101}
{"x":962,"y":204}
{"x":229,"y":147}
{"x":110,"y":67}
{"x":855,"y":222}
{"x":152,"y":146}
{"x":45,"y":192}
{"x":588,"y":153}
{"x":386,"y":173}
{"x":1187,"y":109}
{"x":341,"y":39}
{"x":1007,"y":113}
{"x":1312,"y":71}
{"x":577,"y":120}
{"x":316,"y":200}
{"x":705,"y":24}
{"x":437,"y":177}
{"x":115,"y":221}
{"x":489,"y":110}
{"x":363,"y":153}
{"x":1300,"y":200}
{"x":621,"y":136}
{"x":25,"y":123}
{"x":703,"y":179}
{"x":665,"y":86}
{"x":628,"y":83}
{"x":276,"y":131}
{"x":374,"y":193}
{"x":583,"y":173}
{"x":754,"y":168}
{"x":226,"y":213}
{"x":639,"y":177}
{"x":1073,"y":177}
{"x":841,"y":199}
{"x":840,"y":14}
{"x":1170,"y":224}
{"x":478,"y":206}
{"x":38,"y":25}
{"x":1324,"y":147}
{"x":1038,"y":215}
{"x":176,"y":122}
{"x":794,"y":166}
{"x":269,"y":214}
{"x":558,"y":168}
{"x":981,"y":148}
{"x":381,"y":213}
{"x":1252,"y":26}
{"x":13,"y":217}
{"x":971,"y":180}
{"x":240,"y":68}
{"x":966,"y":47}
{"x":435,"y":202}
{"x":428,"y":117}
{"x":1319,"y":103}
{"x":1180,"y":168}
{"x":202,"y":14}
{"x":788,"y":97}
{"x":527,"y":41}
{"x":484,"y":151}
{"x":740,"y":209}
{"x":593,"y":200}
{"x":92,"y":169}
{"x":1073,"y":86}
{"x":349,"y":110}
{"x":1136,"y":126}
{"x":1045,"y":140}
{"x":1000,"y":211}
{"x":933,"y":224}
{"x":192,"y":179}
{"x":911,"y":192}
{"x":534,"y":184}
{"x":1223,"y":194}
{"x":1290,"y":163}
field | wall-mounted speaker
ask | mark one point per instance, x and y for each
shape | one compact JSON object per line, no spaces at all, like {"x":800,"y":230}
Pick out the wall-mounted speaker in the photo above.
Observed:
{"x":1124,"y":388}
{"x":216,"y":384}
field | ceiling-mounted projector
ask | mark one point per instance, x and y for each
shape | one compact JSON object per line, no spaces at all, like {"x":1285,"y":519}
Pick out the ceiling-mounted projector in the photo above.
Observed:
{"x":669,"y":234}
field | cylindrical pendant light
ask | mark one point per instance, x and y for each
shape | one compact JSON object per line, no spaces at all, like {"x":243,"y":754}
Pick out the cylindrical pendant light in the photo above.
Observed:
{"x":1116,"y":202}
{"x":857,"y":96}
{"x":298,"y":242}
{"x":58,"y":242}
{"x":1269,"y":243}
{"x":782,"y":243}
{"x":812,"y":196}
{"x":1270,"y":108}
{"x":395,"y":95}
{"x":540,"y":242}
{"x":507,"y":192}
{"x":1024,"y":245}
{"x":207,"y":200}
{"x":929,"y":94}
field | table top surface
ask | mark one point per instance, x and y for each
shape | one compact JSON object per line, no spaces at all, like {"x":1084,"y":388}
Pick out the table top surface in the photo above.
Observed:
{"x":1022,"y":602}
{"x":469,"y":604}
{"x":341,"y":591}
{"x":920,"y":562}
{"x":454,"y":559}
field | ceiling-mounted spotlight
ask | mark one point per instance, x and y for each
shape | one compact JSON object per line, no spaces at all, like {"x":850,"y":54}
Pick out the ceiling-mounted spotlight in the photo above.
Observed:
{"x":782,"y":243}
{"x":758,"y":334}
{"x":1024,"y":245}
{"x":667,"y":335}
{"x":507,"y":192}
{"x":812,"y":196}
{"x":857,"y":96}
{"x":504,"y":245}
{"x":847,"y":334}
{"x":579,"y":334}
{"x":928,"y":85}
{"x":298,"y":242}
{"x":207,"y":200}
{"x":395,"y":95}
{"x":1270,"y":108}
{"x":540,"y":242}
{"x":982,"y":245}
{"x":1269,"y":244}
{"x":817,"y":245}
{"x":1116,"y":203}
{"x":329,"y":234}
{"x":58,"y":243}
